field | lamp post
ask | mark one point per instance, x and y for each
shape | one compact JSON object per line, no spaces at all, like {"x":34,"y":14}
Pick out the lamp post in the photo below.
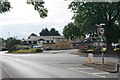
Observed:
{"x":101,"y":31}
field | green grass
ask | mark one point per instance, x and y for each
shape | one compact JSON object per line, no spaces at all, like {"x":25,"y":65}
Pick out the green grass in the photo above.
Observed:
{"x":104,"y":49}
{"x":31,"y":50}
{"x":116,"y":49}
{"x":90,"y":50}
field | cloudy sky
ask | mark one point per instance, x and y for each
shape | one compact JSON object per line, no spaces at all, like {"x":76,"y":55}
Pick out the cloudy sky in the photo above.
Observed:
{"x":23,"y":20}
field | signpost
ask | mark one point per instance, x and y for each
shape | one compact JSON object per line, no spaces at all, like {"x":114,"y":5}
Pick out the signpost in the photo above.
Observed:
{"x":101,"y":32}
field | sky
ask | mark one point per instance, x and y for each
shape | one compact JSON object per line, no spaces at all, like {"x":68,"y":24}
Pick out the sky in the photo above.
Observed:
{"x":23,"y":20}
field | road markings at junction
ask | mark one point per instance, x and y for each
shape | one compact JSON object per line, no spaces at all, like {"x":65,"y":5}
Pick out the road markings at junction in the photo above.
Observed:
{"x":94,"y":74}
{"x":90,"y":73}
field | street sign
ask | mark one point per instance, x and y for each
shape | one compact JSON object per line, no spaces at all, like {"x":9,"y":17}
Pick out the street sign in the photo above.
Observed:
{"x":101,"y":31}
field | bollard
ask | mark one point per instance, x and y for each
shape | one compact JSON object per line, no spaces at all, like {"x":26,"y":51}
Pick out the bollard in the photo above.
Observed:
{"x":90,"y":58}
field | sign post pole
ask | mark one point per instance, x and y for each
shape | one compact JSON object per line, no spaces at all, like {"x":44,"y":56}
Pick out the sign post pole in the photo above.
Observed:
{"x":101,"y":32}
{"x":102,"y":50}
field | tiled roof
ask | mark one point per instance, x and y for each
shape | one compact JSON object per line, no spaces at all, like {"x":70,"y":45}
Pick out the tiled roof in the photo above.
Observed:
{"x":36,"y":38}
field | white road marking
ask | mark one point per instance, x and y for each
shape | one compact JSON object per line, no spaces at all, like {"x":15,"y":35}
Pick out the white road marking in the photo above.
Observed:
{"x":94,"y":74}
{"x":90,"y":73}
{"x":101,"y":73}
{"x":81,"y":68}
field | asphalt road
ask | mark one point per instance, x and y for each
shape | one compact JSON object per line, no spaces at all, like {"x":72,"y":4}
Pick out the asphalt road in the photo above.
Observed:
{"x":51,"y":64}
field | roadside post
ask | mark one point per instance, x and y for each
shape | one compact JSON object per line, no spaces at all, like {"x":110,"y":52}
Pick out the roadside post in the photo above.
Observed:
{"x":90,"y":58}
{"x":101,"y":31}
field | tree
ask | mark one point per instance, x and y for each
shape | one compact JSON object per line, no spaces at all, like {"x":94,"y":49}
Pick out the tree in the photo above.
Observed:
{"x":44,"y":32}
{"x":39,"y":6}
{"x":11,"y":42}
{"x":54,"y":32}
{"x":4,"y":6}
{"x":71,"y":31}
{"x":33,"y":34}
{"x":87,"y":14}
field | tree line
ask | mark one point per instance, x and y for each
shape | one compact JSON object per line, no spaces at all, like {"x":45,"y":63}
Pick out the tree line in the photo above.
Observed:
{"x":86,"y":16}
{"x":46,"y":32}
{"x":89,"y":14}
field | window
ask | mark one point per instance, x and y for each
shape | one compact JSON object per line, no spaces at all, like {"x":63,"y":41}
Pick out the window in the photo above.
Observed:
{"x":52,"y":41}
{"x":34,"y":42}
{"x":47,"y":41}
{"x":29,"y":42}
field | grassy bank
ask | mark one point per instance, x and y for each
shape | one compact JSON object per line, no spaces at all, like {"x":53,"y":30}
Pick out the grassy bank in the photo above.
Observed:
{"x":31,"y":50}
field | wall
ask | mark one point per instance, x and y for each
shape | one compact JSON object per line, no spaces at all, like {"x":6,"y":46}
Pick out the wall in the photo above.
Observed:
{"x":59,"y":45}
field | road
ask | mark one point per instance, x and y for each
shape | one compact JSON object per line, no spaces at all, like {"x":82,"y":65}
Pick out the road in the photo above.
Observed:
{"x":51,"y":64}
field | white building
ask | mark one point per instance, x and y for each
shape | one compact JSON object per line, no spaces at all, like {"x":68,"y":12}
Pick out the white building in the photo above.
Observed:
{"x":39,"y":40}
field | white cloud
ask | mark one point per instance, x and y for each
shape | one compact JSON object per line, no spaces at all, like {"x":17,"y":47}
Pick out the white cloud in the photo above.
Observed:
{"x":23,"y":19}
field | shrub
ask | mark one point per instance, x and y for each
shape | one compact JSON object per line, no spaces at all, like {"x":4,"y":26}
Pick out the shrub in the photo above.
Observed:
{"x":38,"y":50}
{"x":4,"y":49}
{"x":31,"y":50}
{"x":18,"y":47}
{"x":13,"y":48}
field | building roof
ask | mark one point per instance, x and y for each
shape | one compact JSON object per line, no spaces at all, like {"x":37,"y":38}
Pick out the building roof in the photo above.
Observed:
{"x":36,"y":38}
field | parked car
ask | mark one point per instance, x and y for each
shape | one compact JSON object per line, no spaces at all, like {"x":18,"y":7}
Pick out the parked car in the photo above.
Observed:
{"x":39,"y":48}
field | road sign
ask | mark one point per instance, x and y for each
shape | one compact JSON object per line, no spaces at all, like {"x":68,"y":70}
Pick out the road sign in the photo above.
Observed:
{"x":101,"y":31}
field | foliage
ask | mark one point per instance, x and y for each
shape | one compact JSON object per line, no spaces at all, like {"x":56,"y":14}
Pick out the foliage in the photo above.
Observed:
{"x":38,"y":50}
{"x":13,"y":48}
{"x":88,"y":14}
{"x":53,"y":32}
{"x":71,"y":31}
{"x":18,"y":47}
{"x":10,"y":42}
{"x":39,"y":6}
{"x":46,"y":32}
{"x":33,"y":34}
{"x":4,"y":6}
{"x":31,"y":50}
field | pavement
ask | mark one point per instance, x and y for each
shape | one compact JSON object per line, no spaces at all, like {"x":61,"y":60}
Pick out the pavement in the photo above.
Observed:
{"x":108,"y":67}
{"x":51,"y":64}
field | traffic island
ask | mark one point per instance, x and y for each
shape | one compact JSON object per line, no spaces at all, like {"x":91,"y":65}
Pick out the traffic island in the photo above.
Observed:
{"x":108,"y":66}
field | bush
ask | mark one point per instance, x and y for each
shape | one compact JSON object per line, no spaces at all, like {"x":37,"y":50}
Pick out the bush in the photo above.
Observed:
{"x":18,"y":47}
{"x":31,"y":50}
{"x":13,"y":48}
{"x":38,"y":50}
{"x":4,"y":49}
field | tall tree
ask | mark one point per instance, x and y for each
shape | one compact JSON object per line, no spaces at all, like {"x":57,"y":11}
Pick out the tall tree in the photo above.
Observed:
{"x":4,"y":6}
{"x":33,"y":34}
{"x":39,"y":6}
{"x":54,"y":32}
{"x":44,"y":32}
{"x":87,"y":14}
{"x":71,"y":31}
